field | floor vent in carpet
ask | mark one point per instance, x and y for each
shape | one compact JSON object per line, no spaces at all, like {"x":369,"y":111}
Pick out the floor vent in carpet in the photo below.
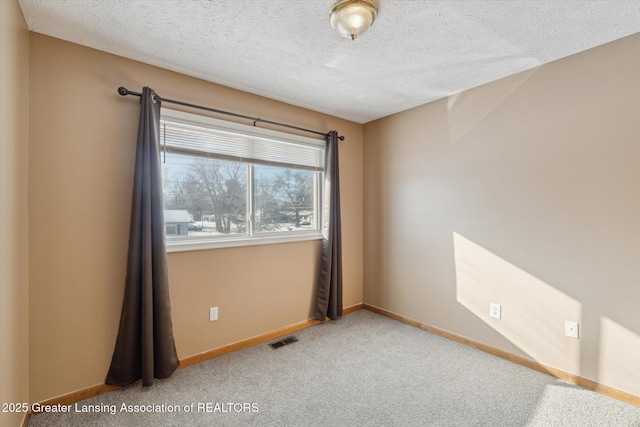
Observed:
{"x":286,"y":341}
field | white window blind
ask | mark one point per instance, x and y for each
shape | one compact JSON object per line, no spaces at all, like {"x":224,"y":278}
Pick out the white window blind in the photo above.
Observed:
{"x":240,"y":143}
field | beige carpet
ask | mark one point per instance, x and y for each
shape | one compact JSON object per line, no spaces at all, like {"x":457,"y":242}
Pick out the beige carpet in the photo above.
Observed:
{"x":363,"y":370}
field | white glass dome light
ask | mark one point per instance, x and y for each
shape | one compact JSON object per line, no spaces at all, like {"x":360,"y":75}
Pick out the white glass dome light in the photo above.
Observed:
{"x":351,"y":18}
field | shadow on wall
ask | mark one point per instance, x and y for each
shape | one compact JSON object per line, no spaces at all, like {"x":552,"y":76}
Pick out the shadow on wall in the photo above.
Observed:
{"x":534,"y":315}
{"x":466,"y":110}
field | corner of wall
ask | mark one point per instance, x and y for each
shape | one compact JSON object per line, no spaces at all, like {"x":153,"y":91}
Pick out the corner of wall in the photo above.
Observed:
{"x":14,"y":166}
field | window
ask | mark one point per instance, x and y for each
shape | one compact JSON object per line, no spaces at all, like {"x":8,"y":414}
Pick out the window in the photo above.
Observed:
{"x":227,"y":184}
{"x":171,"y":229}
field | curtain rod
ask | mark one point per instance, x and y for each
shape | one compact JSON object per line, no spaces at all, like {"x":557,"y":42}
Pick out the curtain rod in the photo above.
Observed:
{"x":124,"y":92}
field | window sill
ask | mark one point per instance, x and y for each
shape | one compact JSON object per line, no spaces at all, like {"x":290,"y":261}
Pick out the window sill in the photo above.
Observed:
{"x":202,"y":244}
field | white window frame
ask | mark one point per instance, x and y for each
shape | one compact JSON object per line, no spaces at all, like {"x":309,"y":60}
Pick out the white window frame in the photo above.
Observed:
{"x":189,"y":243}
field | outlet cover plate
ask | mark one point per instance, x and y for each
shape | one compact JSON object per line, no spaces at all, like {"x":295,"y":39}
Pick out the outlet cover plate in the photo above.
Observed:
{"x":571,"y":329}
{"x":495,"y":310}
{"x":213,"y":314}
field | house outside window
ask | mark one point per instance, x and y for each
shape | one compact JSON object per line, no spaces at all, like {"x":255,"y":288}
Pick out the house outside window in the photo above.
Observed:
{"x":176,"y":222}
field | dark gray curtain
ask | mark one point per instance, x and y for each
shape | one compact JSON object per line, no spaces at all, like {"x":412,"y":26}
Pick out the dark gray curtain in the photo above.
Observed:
{"x":145,"y":348}
{"x":329,"y":296}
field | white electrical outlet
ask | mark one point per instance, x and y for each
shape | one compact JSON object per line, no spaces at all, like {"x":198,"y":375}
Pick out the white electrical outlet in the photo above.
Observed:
{"x":495,"y":310}
{"x":571,"y":329}
{"x":213,"y":314}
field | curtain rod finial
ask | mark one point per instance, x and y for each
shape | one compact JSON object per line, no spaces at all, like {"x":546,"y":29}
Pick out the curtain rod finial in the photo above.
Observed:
{"x":341,"y":138}
{"x":123,"y":91}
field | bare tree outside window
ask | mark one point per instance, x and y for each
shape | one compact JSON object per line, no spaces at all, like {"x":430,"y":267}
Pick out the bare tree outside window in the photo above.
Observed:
{"x":223,"y":189}
{"x":296,"y":193}
{"x":284,"y":199}
{"x":213,"y":194}
{"x":268,"y":214}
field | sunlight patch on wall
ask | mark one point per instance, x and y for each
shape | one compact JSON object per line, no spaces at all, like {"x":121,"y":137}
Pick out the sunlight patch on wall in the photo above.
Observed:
{"x":619,"y":361}
{"x":533,"y":312}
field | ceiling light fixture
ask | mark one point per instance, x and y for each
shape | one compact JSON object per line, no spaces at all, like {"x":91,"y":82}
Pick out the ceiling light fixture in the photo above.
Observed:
{"x":351,"y":18}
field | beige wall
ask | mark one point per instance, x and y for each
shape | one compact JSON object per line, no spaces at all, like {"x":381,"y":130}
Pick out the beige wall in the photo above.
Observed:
{"x":81,"y":168}
{"x":14,"y":166}
{"x":523,"y":192}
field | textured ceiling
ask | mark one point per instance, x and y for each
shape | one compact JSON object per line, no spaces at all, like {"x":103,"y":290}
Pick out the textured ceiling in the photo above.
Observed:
{"x":416,"y":52}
